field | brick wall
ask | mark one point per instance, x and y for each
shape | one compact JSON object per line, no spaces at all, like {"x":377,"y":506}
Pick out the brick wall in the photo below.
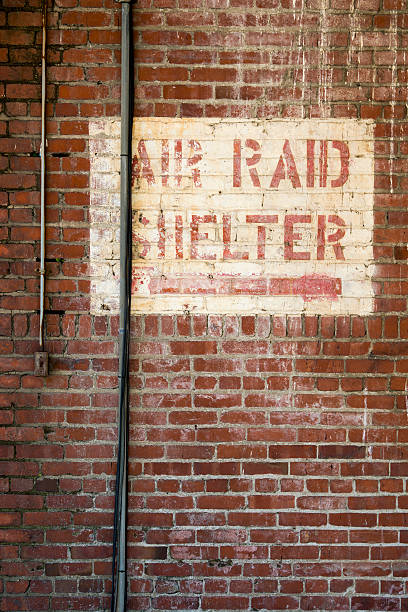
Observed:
{"x":268,"y":453}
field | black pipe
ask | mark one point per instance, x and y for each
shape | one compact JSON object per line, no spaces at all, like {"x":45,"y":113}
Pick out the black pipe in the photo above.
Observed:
{"x":119,"y":576}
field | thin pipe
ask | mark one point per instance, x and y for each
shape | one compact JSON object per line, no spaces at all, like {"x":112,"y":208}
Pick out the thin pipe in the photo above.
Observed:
{"x":119,"y":575}
{"x":42,"y":155}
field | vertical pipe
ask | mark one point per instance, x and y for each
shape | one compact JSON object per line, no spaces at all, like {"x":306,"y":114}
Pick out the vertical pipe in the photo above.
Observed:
{"x":42,"y":155}
{"x":119,"y":583}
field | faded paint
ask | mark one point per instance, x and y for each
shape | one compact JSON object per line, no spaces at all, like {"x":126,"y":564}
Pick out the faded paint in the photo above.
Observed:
{"x":237,"y":215}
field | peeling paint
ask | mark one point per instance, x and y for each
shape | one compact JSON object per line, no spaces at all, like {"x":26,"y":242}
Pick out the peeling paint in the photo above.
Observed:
{"x":238,"y":215}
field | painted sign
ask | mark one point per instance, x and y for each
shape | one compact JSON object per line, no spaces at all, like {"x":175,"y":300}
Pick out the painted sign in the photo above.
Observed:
{"x":237,"y":215}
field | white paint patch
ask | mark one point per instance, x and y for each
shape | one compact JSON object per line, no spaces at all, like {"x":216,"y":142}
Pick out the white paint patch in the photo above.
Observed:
{"x":234,"y":216}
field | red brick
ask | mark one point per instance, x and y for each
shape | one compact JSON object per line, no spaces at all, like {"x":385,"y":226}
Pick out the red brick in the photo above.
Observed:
{"x":186,"y":92}
{"x":289,"y":438}
{"x":193,"y":347}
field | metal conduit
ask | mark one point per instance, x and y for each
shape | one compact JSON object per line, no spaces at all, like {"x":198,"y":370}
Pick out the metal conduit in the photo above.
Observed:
{"x":119,"y":576}
{"x":42,"y":155}
{"x":41,"y":357}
